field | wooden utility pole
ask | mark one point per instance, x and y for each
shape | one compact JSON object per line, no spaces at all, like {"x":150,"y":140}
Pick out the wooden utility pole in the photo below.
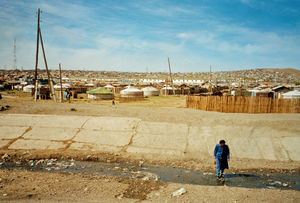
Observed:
{"x":61,"y":90}
{"x":37,"y":56}
{"x":171,"y":76}
{"x":48,"y":73}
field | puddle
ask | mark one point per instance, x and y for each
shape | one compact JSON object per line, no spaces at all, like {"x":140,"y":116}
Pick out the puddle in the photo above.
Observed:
{"x":166,"y":174}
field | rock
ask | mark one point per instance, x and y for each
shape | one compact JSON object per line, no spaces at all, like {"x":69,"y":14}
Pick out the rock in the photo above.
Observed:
{"x":277,"y":182}
{"x":49,"y":164}
{"x":145,"y":175}
{"x":5,"y":157}
{"x":4,"y":195}
{"x":85,"y":189}
{"x":272,"y":184}
{"x":179,"y":192}
{"x":119,"y":196}
{"x":145,"y":178}
{"x":271,"y":187}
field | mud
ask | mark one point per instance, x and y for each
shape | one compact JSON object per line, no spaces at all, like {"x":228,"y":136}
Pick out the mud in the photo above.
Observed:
{"x":147,"y":172}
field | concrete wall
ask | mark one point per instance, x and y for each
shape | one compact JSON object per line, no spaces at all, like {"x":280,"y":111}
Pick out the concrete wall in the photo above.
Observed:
{"x":135,"y":136}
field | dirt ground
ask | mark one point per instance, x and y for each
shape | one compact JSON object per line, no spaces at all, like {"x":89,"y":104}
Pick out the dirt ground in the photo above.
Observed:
{"x":28,"y":186}
{"x":24,"y":186}
{"x":155,"y":109}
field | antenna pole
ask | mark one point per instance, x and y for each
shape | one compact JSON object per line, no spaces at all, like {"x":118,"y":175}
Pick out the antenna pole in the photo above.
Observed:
{"x":61,"y":89}
{"x":171,"y":76}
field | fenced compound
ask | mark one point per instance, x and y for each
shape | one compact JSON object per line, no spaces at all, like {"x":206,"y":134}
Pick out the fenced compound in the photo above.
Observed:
{"x":243,"y":104}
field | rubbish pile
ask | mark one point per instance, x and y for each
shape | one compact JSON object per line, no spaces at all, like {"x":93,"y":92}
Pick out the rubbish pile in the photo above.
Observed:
{"x":271,"y":184}
{"x":47,"y":164}
{"x":4,"y":108}
{"x":144,"y":175}
{"x":52,"y":164}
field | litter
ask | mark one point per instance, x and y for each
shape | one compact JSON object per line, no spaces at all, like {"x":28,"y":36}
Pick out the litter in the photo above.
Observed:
{"x":179,"y":192}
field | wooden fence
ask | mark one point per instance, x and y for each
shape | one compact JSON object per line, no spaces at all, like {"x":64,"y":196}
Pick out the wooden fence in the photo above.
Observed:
{"x":243,"y":104}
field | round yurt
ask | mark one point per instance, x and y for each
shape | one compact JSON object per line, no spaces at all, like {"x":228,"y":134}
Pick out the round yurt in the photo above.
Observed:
{"x":64,"y":86}
{"x":131,"y":91}
{"x":104,"y":94}
{"x":109,"y":87}
{"x":150,"y":91}
{"x":167,"y":90}
{"x":28,"y":88}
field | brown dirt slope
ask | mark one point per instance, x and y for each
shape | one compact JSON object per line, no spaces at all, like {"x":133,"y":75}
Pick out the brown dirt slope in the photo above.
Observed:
{"x":286,"y":70}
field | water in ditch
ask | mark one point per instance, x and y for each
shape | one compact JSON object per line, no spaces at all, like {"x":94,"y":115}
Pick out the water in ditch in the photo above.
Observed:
{"x":162,"y":173}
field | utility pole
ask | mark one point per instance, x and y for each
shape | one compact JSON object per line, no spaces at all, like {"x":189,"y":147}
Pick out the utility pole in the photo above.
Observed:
{"x":48,"y":73}
{"x":37,"y":56}
{"x":61,"y":90}
{"x":15,"y":54}
{"x":171,"y":76}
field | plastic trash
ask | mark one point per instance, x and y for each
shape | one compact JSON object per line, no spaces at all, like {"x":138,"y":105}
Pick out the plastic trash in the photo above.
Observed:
{"x":179,"y":192}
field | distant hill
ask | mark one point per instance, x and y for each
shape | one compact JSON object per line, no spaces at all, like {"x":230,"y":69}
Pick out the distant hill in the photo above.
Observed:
{"x":286,"y":70}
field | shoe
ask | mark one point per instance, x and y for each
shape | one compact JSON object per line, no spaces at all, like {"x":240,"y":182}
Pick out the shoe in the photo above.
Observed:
{"x":222,"y":175}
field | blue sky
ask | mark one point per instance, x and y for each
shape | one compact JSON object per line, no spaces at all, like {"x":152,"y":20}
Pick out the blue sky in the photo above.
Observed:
{"x":131,"y":35}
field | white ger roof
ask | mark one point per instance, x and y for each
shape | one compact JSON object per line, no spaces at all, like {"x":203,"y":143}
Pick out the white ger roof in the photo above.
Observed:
{"x":149,"y":89}
{"x":130,"y":89}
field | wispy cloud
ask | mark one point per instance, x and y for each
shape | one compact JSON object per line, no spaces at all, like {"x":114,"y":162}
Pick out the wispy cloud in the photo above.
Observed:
{"x":130,"y":35}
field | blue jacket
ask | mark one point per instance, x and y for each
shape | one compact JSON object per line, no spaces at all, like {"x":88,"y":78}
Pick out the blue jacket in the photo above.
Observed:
{"x":220,"y":153}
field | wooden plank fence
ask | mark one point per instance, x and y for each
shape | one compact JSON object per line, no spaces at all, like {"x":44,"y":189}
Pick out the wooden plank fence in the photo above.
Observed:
{"x":243,"y":104}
